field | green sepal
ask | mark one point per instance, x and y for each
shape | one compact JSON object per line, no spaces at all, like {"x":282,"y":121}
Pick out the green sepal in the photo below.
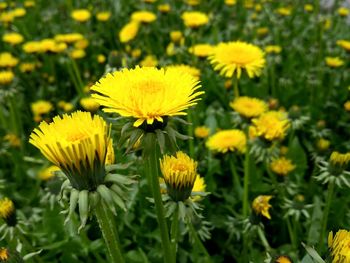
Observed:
{"x":66,"y":184}
{"x":83,"y":208}
{"x":73,"y":201}
{"x":161,"y":140}
{"x":134,"y":136}
{"x":117,"y":200}
{"x":107,"y":197}
{"x":118,"y":179}
{"x":94,"y":199}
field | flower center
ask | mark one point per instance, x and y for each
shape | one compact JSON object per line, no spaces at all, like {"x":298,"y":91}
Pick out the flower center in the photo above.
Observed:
{"x":149,"y":86}
{"x":76,"y":136}
{"x":180,"y":167}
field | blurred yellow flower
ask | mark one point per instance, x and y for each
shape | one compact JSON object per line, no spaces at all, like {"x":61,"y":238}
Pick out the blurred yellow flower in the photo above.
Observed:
{"x":12,"y":38}
{"x":29,"y":3}
{"x":249,"y":107}
{"x":65,"y":106}
{"x":101,"y":58}
{"x":322,"y":144}
{"x":339,"y":159}
{"x":193,"y":2}
{"x":4,"y":254}
{"x":176,"y":36}
{"x":347,"y":105}
{"x":7,"y":17}
{"x":334,"y":62}
{"x":261,"y":205}
{"x":201,"y":132}
{"x":149,"y":61}
{"x":69,"y":37}
{"x":282,"y":166}
{"x":230,"y":2}
{"x":164,"y":8}
{"x":143,"y":16}
{"x":6,"y":77}
{"x":3,"y":5}
{"x":283,"y":259}
{"x":136,"y":53}
{"x":231,"y":57}
{"x":194,"y":19}
{"x":89,"y":104}
{"x":344,"y":44}
{"x":77,"y":53}
{"x":195,"y":72}
{"x":77,"y":144}
{"x":13,"y":139}
{"x":7,"y":208}
{"x":19,"y":12}
{"x":284,"y":11}
{"x":103,"y":16}
{"x":179,"y":173}
{"x":271,"y":125}
{"x":41,"y":107}
{"x":273,"y":49}
{"x":343,"y":11}
{"x":129,"y":32}
{"x":48,"y":173}
{"x":7,"y":60}
{"x":27,"y":67}
{"x":339,"y":246}
{"x":227,"y":141}
{"x":147,"y":94}
{"x":262,"y":31}
{"x":81,"y":15}
{"x":201,"y":50}
{"x":308,"y":8}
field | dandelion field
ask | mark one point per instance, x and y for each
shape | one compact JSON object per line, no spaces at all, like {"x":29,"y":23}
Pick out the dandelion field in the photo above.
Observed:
{"x":174,"y":131}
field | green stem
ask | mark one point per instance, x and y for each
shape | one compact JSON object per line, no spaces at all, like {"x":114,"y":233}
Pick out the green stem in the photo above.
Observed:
{"x":246,"y":185}
{"x":77,"y":74}
{"x":235,"y":179}
{"x":109,"y":232}
{"x":198,"y":242}
{"x":190,"y":133}
{"x":175,"y":231}
{"x":263,"y":239}
{"x":272,"y":79}
{"x":326,"y":213}
{"x":291,"y":234}
{"x":235,"y":87}
{"x":151,"y":159}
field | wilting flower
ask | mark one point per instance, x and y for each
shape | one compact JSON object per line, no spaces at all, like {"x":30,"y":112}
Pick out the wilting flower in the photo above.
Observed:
{"x":230,"y":58}
{"x":179,"y":173}
{"x":339,"y":246}
{"x":129,"y":32}
{"x":261,"y":205}
{"x":201,"y":50}
{"x":271,"y":125}
{"x":147,"y":94}
{"x":282,"y":166}
{"x":143,"y":17}
{"x":77,"y":144}
{"x":201,"y":132}
{"x":228,"y":141}
{"x":194,"y":19}
{"x":81,"y":15}
{"x":12,"y":38}
{"x":334,"y":62}
{"x":249,"y":107}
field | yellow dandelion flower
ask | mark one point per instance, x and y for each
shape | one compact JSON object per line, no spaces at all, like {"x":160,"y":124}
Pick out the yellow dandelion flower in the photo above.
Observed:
{"x":262,"y":31}
{"x":347,"y":105}
{"x":110,"y":156}
{"x":261,"y":205}
{"x":343,"y":11}
{"x":282,"y":166}
{"x":41,"y":107}
{"x":31,"y":47}
{"x":198,"y":186}
{"x":339,"y":159}
{"x":308,"y":8}
{"x":48,"y":173}
{"x":101,"y":58}
{"x":334,"y":62}
{"x":29,"y":3}
{"x":89,"y":104}
{"x":164,"y":8}
{"x":230,"y":58}
{"x":19,"y":12}
{"x":230,"y":2}
{"x":147,"y":94}
{"x":339,"y":246}
{"x":7,"y":208}
{"x":271,"y":125}
{"x":201,"y":50}
{"x":283,"y":259}
{"x":26,"y":67}
{"x":273,"y":49}
{"x":13,"y":139}
{"x":7,"y":60}
{"x":143,"y":17}
{"x":66,"y":106}
{"x":69,"y":37}
{"x":228,"y":141}
{"x":81,"y":15}
{"x":193,"y":2}
{"x":195,"y":72}
{"x":103,"y":16}
{"x":4,"y":254}
{"x":194,"y":19}
{"x":201,"y":132}
{"x":284,"y":11}
{"x":12,"y":38}
{"x":249,"y":107}
{"x":129,"y":32}
{"x":81,"y":44}
{"x":176,"y":36}
{"x":77,"y":53}
{"x":149,"y":61}
{"x":3,"y":5}
{"x":179,"y":173}
{"x":323,"y":144}
{"x":345,"y":44}
{"x":7,"y":17}
{"x":77,"y":144}
{"x":6,"y":77}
